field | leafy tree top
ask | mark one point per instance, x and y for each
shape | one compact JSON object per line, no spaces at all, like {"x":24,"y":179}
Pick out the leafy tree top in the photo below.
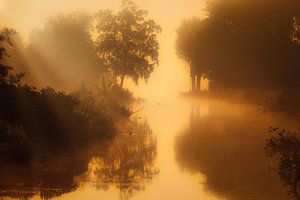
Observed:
{"x":6,"y":77}
{"x":127,"y":41}
{"x":245,"y":43}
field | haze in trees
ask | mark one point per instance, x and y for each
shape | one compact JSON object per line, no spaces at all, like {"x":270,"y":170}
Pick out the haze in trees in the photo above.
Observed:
{"x":61,"y":54}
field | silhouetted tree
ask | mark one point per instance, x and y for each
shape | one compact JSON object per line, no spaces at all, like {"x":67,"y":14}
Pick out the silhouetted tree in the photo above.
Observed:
{"x":6,"y":77}
{"x":246,"y":43}
{"x":191,"y":46}
{"x":127,"y":41}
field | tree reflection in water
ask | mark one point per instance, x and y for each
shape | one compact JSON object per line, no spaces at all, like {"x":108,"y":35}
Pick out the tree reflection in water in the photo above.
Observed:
{"x":227,"y":147}
{"x":285,"y":146}
{"x":47,"y":179}
{"x":127,"y":163}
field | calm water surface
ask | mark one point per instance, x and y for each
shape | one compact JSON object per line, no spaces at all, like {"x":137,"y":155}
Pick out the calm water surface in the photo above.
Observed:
{"x":182,"y":149}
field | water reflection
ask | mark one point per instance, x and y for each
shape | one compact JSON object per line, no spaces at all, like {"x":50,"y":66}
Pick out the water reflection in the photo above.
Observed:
{"x":126,"y":163}
{"x":47,"y":179}
{"x":227,"y":146}
{"x":223,"y":143}
{"x":285,"y":146}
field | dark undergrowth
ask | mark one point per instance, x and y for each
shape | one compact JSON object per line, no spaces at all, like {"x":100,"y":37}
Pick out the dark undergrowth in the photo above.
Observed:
{"x":38,"y":122}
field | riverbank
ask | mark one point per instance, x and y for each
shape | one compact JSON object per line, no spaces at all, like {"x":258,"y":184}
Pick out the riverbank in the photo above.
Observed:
{"x":285,"y":102}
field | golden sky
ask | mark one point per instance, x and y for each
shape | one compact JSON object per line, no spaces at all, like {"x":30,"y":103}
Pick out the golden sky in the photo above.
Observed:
{"x":25,"y":15}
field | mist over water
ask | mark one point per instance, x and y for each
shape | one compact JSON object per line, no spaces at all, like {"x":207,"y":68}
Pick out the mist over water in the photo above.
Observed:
{"x":191,"y":152}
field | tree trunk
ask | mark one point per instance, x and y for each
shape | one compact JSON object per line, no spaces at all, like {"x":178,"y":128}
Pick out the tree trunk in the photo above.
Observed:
{"x":193,"y":83}
{"x":198,"y":86}
{"x":122,"y":80}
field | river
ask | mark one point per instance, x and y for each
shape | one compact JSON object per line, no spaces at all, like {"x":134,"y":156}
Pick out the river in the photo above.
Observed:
{"x":182,"y":149}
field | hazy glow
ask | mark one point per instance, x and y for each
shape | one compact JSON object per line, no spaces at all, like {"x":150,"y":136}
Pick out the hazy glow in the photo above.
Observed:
{"x":170,"y":77}
{"x":204,"y":84}
{"x":223,"y":129}
{"x":28,"y":14}
{"x":1,"y":5}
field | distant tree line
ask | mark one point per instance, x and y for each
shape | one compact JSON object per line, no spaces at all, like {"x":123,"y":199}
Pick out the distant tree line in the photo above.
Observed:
{"x":244,"y":44}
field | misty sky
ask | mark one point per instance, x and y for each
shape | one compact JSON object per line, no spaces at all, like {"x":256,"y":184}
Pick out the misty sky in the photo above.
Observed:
{"x":25,"y":15}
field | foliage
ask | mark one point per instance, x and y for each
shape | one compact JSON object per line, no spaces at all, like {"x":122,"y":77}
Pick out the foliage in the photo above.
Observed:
{"x":5,"y":71}
{"x":5,"y":36}
{"x":247,"y":43}
{"x":116,"y":100}
{"x":14,"y":142}
{"x":127,"y":41}
{"x":51,"y":120}
{"x":110,"y":99}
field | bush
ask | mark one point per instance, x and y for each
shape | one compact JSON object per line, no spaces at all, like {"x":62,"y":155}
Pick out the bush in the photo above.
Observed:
{"x":14,"y":142}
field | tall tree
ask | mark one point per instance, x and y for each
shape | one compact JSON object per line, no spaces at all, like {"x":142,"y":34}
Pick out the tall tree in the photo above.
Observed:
{"x":189,"y":46}
{"x":127,"y":41}
{"x":245,"y":43}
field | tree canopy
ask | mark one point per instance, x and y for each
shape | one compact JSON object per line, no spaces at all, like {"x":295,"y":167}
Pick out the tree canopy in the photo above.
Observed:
{"x":127,"y":41}
{"x":245,"y":43}
{"x":6,"y":76}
